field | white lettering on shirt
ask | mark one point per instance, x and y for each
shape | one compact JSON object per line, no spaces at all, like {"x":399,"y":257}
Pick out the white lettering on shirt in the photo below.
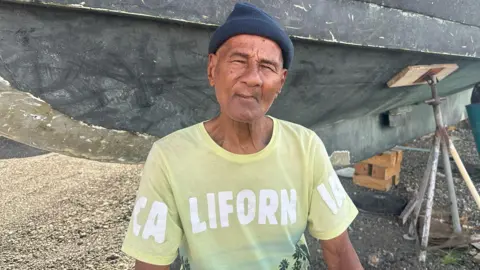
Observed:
{"x":327,"y":198}
{"x":156,"y":224}
{"x":337,"y":189}
{"x":225,"y":208}
{"x":197,"y":225}
{"x":246,"y":213}
{"x":245,"y":205}
{"x":139,"y":205}
{"x":212,"y":214}
{"x":289,"y":206}
{"x":268,"y":205}
{"x":338,"y":193}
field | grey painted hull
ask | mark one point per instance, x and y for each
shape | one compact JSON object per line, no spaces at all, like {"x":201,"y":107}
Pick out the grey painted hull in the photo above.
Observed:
{"x":147,"y":74}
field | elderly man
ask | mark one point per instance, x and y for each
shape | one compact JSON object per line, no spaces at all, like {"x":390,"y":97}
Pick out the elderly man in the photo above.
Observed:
{"x":238,"y":191}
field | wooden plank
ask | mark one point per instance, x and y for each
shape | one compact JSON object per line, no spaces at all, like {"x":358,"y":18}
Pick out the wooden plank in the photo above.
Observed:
{"x":370,"y":182}
{"x":408,"y":209}
{"x":385,"y":173}
{"x":362,"y":168}
{"x":396,"y":179}
{"x":416,"y":75}
{"x":399,"y":155}
{"x":386,"y":159}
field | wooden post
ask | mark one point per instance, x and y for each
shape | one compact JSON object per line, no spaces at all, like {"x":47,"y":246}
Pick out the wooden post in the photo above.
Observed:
{"x":428,"y":207}
{"x":464,"y":173}
{"x":457,"y":227}
{"x":423,"y":186}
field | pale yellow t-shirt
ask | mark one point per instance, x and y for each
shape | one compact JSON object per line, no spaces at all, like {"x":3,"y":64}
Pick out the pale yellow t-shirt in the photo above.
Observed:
{"x":229,"y":211}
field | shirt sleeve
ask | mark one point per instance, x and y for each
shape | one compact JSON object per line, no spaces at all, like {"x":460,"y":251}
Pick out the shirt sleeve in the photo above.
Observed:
{"x":154,"y":232}
{"x":331,"y":209}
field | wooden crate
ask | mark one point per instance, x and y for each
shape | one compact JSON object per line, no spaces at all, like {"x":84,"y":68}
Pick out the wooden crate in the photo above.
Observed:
{"x":385,"y":173}
{"x":363,"y":169}
{"x":386,"y":159}
{"x":379,"y":172}
{"x":373,"y":183}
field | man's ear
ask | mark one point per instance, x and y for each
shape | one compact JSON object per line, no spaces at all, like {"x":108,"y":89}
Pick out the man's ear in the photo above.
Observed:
{"x":212,"y":63}
{"x":284,"y":77}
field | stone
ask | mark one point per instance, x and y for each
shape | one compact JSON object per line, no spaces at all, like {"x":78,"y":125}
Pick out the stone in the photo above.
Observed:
{"x":346,"y":172}
{"x":373,"y":260}
{"x":477,"y":258}
{"x":112,"y":257}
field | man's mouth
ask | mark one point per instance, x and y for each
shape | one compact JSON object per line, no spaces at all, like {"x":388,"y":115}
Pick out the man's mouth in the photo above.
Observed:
{"x":246,"y":96}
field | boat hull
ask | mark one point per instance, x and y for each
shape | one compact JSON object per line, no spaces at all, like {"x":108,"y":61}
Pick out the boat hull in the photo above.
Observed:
{"x":149,"y":77}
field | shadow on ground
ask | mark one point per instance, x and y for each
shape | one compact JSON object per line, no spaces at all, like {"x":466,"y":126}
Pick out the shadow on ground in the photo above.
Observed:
{"x":13,"y":149}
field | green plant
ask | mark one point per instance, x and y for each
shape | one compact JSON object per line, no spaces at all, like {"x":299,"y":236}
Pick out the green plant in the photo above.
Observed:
{"x":452,"y":257}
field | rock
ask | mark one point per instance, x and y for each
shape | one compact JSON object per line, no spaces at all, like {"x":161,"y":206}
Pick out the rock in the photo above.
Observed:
{"x":112,"y":257}
{"x":389,"y":255}
{"x":454,"y":138}
{"x":346,"y":172}
{"x":473,"y":252}
{"x":408,"y":237}
{"x":476,"y":258}
{"x":373,"y":260}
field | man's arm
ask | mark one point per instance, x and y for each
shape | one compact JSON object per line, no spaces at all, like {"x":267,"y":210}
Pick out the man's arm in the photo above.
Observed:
{"x":139,"y":265}
{"x":339,"y":254}
{"x":331,"y":212}
{"x":155,"y":231}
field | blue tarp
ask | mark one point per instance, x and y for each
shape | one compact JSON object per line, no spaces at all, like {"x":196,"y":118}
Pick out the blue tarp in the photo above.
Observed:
{"x":473,"y":111}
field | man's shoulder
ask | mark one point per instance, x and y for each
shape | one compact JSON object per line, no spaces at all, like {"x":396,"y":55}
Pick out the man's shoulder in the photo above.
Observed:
{"x":297,"y":134}
{"x":297,"y":130}
{"x":180,"y":139}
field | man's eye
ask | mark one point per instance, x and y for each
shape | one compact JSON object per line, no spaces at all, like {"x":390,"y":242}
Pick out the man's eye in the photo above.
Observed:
{"x":239,"y":61}
{"x":269,"y":67}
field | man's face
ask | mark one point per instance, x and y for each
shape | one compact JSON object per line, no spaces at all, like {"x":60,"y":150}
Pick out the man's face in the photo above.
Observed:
{"x":247,"y":73}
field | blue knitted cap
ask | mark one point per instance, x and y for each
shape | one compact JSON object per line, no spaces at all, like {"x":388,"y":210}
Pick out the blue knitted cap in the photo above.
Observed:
{"x":248,"y":19}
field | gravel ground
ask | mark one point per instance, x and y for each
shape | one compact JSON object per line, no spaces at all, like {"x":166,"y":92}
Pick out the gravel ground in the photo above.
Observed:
{"x":382,"y":236}
{"x":59,"y":212}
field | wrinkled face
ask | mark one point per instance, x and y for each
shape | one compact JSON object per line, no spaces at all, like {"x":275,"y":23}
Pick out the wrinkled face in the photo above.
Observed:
{"x":247,"y":73}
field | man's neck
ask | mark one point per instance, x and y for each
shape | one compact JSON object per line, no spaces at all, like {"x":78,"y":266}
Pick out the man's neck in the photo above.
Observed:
{"x":240,"y":138}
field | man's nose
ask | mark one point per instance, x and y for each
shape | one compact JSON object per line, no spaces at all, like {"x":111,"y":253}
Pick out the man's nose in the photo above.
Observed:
{"x":252,"y":77}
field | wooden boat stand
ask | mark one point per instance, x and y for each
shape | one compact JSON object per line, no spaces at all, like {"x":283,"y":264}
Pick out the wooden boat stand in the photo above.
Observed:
{"x":440,"y":140}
